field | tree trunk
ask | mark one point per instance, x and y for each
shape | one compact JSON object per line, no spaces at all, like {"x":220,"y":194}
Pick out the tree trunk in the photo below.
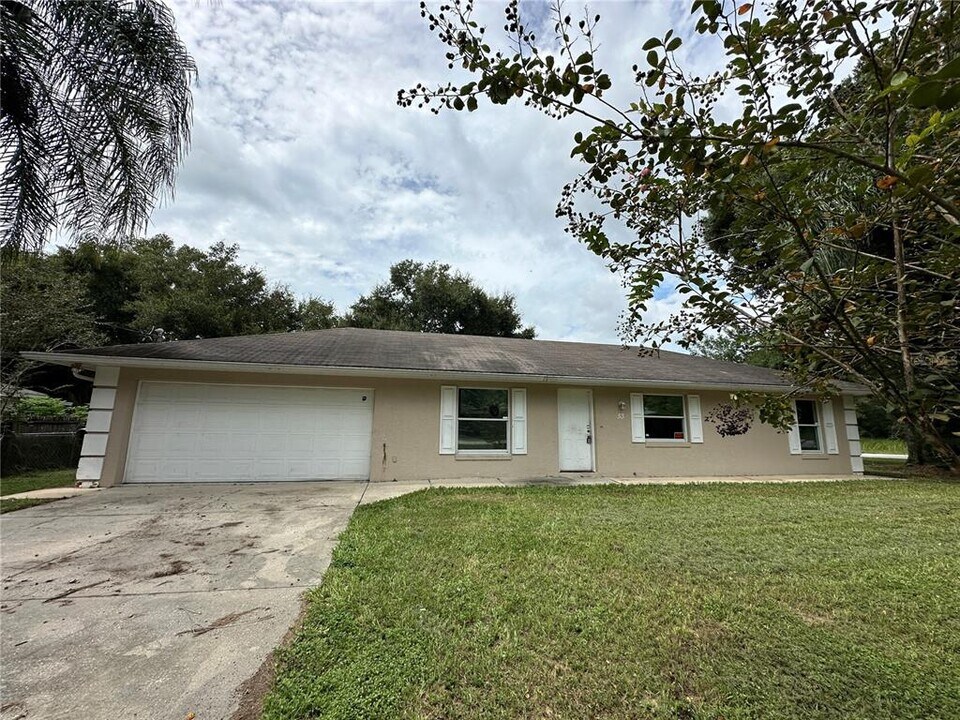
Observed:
{"x":941,"y":447}
{"x":914,"y":435}
{"x":916,"y":447}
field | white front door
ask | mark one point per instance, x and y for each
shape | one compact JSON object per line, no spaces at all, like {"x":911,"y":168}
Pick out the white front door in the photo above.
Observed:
{"x":576,"y":430}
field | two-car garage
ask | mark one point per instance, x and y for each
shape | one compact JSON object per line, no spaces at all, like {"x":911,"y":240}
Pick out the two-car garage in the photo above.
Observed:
{"x":205,"y":432}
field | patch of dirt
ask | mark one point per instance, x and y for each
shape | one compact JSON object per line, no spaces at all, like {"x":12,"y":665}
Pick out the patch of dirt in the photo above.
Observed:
{"x":176,"y":567}
{"x":680,"y":670}
{"x":221,"y":525}
{"x":92,"y":553}
{"x":223,"y":622}
{"x":931,"y":471}
{"x":8,"y":709}
{"x":71,"y":591}
{"x":52,"y":563}
{"x":255,"y":688}
{"x":247,"y":544}
{"x":814,"y":619}
{"x":880,"y":468}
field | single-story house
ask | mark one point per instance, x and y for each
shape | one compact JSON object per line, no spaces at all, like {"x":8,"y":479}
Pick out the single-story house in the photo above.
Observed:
{"x":386,"y":405}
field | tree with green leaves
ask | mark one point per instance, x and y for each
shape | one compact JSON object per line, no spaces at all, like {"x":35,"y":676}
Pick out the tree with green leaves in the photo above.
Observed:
{"x":432,"y":298}
{"x":143,"y":290}
{"x":42,"y":307}
{"x":315,"y":313}
{"x":95,"y":119}
{"x":808,"y":189}
{"x":751,"y":348}
{"x":151,"y":289}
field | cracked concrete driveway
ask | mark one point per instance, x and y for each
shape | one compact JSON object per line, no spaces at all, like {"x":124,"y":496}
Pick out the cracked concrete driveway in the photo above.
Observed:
{"x":157,"y":601}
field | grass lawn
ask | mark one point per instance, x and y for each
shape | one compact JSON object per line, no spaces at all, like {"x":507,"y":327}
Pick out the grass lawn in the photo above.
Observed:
{"x":832,"y":600}
{"x":11,"y":504}
{"x":33,"y":481}
{"x":891,"y":446}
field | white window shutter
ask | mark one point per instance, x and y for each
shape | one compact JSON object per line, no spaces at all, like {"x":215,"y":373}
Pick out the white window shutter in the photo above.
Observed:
{"x":448,"y":420}
{"x":518,"y":421}
{"x":696,"y":419}
{"x":830,"y":428}
{"x":636,"y":418}
{"x":794,"y":434}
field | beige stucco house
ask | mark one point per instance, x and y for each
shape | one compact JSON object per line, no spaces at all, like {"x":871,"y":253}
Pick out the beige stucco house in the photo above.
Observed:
{"x":384,"y":405}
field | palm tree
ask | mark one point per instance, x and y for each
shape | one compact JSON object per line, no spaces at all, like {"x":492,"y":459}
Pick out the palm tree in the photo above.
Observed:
{"x":95,"y":117}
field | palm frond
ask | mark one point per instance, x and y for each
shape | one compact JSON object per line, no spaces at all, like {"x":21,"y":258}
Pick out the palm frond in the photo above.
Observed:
{"x":96,"y":116}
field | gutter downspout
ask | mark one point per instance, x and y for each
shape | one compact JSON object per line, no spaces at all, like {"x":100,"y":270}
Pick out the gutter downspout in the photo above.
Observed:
{"x":77,"y":371}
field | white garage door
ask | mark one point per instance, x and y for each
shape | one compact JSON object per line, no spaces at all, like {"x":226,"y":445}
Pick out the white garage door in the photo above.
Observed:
{"x":186,"y":432}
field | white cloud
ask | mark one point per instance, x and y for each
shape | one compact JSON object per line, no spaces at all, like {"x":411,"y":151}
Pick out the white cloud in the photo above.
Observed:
{"x":302,"y":157}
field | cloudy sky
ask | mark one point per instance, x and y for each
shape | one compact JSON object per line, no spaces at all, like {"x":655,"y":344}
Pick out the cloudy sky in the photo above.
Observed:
{"x":301,"y":156}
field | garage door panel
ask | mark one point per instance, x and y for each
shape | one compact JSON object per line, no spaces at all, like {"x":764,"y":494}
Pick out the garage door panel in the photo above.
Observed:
{"x":270,"y":469}
{"x":184,"y":432}
{"x":144,"y":469}
{"x":222,"y":470}
{"x":172,"y":393}
{"x":354,"y":469}
{"x":182,"y":443}
{"x":356,"y":445}
{"x":161,"y":417}
{"x":213,"y":444}
{"x":272,"y":444}
{"x":300,"y":445}
{"x":234,"y":444}
{"x":149,"y":470}
{"x":176,"y":469}
{"x":154,"y":392}
{"x":189,"y":417}
{"x":353,"y":423}
{"x":329,"y":467}
{"x":148,"y":445}
{"x":304,"y":469}
{"x":234,"y":418}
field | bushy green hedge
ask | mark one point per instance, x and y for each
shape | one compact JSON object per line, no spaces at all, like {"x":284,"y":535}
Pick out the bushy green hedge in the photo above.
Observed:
{"x":29,"y":408}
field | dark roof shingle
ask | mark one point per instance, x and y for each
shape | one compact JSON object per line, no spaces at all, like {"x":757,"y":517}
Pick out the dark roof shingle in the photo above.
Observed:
{"x":395,"y":350}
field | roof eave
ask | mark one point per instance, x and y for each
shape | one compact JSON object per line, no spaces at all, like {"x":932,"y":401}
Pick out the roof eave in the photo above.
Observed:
{"x":92,"y":361}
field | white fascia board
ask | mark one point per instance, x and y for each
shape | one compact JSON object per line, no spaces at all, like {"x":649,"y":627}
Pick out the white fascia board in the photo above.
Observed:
{"x":90,"y":361}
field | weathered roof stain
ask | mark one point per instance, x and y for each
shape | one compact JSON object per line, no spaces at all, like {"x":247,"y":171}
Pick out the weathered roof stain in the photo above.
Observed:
{"x":396,"y":350}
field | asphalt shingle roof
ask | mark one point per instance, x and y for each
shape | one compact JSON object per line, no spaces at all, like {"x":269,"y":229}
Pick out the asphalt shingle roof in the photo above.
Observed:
{"x":395,"y":350}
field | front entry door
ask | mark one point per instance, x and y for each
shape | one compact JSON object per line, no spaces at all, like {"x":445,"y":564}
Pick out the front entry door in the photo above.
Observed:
{"x":576,"y":430}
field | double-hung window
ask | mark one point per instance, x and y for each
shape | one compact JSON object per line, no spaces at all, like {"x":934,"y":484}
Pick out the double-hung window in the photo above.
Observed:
{"x":808,"y":426}
{"x":483,"y":420}
{"x":664,"y":417}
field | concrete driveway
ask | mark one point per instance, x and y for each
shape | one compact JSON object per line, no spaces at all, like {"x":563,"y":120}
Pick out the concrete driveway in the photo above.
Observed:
{"x":157,"y":601}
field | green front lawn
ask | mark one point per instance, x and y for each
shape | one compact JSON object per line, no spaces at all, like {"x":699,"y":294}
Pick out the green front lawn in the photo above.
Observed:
{"x":37,"y":480}
{"x":821,"y":600}
{"x":11,"y":504}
